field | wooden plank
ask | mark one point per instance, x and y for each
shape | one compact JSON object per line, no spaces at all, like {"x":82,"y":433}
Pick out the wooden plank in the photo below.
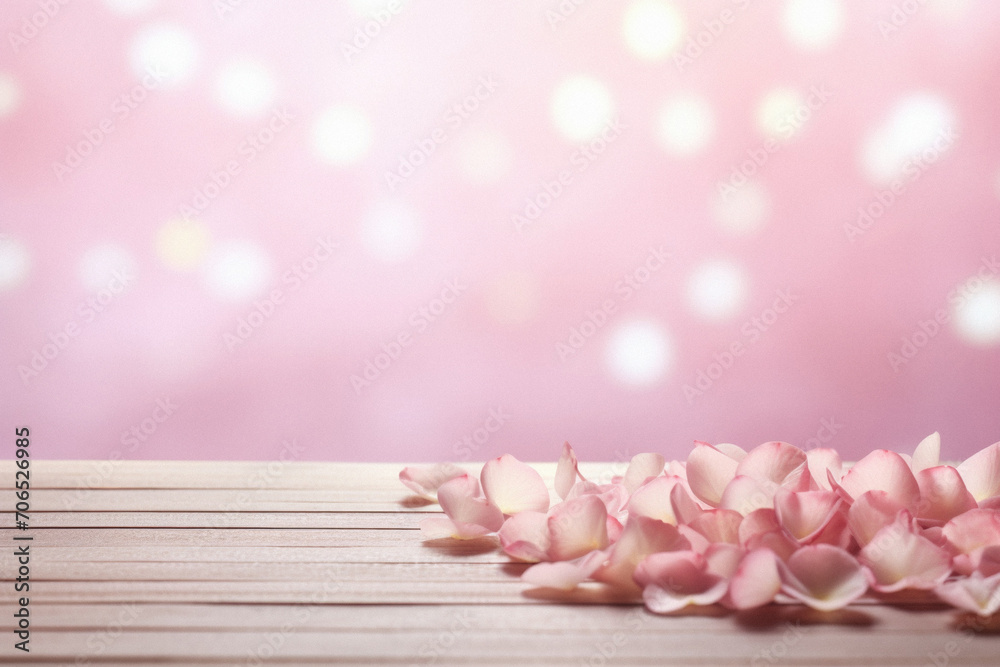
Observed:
{"x":209,"y":563}
{"x":305,"y":520}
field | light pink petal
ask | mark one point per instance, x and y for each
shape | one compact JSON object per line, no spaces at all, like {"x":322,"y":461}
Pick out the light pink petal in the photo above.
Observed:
{"x":577,"y":527}
{"x":514,"y":486}
{"x":824,"y":463}
{"x":684,"y":506}
{"x":806,"y":513}
{"x":757,"y":523}
{"x":899,"y":558}
{"x":943,"y":495}
{"x":869,"y":512}
{"x":967,"y":535}
{"x":722,"y":559}
{"x":661,"y":600}
{"x":975,"y":593}
{"x":708,"y":473}
{"x":567,"y":471}
{"x":823,"y":577}
{"x":835,"y":532}
{"x":425,"y":480}
{"x":734,"y":452}
{"x":981,"y":473}
{"x":756,"y":580}
{"x":883,"y":470}
{"x":564,"y":575}
{"x":641,"y":468}
{"x":642,"y":536}
{"x":674,"y":580}
{"x":777,"y":463}
{"x":927,"y":454}
{"x":653,"y":500}
{"x":745,"y":494}
{"x":526,"y":536}
{"x":462,"y":501}
{"x":719,"y":526}
{"x":778,"y":541}
{"x":439,"y":527}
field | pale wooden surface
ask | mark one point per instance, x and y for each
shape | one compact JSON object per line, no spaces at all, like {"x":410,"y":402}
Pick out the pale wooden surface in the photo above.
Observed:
{"x":195,"y":563}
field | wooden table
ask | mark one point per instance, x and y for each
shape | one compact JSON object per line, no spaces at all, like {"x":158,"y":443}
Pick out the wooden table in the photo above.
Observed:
{"x":197,"y":563}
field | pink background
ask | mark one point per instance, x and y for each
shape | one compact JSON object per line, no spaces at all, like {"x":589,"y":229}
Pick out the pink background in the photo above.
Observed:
{"x":182,"y":203}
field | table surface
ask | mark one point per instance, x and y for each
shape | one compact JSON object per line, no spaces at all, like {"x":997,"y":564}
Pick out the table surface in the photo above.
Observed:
{"x":238,"y":563}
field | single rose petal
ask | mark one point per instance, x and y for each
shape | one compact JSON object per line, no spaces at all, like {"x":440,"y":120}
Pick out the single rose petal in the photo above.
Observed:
{"x":462,"y":500}
{"x":718,"y":526}
{"x":564,"y":575}
{"x":975,"y":593}
{"x":526,"y":536}
{"x":823,"y":577}
{"x":641,"y":537}
{"x":653,"y":500}
{"x":439,"y":527}
{"x":708,"y":473}
{"x":943,"y":495}
{"x":883,"y":470}
{"x":805,"y":513}
{"x":756,"y":523}
{"x":824,"y":463}
{"x":567,"y":471}
{"x":968,"y":534}
{"x":577,"y":527}
{"x":641,"y":468}
{"x":899,"y":558}
{"x":776,"y":463}
{"x":835,"y":532}
{"x":723,"y":559}
{"x":514,"y":486}
{"x":756,"y":580}
{"x":734,"y":452}
{"x":685,"y":507}
{"x":869,"y":512}
{"x":745,"y":494}
{"x":927,"y":454}
{"x":674,"y":580}
{"x":425,"y":480}
{"x":981,"y":473}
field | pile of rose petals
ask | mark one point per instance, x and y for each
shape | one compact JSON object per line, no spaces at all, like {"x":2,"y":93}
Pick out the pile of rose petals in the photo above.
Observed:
{"x":738,"y":528}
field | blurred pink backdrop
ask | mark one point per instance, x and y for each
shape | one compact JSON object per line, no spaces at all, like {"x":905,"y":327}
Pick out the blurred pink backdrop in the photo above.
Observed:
{"x":405,"y":231}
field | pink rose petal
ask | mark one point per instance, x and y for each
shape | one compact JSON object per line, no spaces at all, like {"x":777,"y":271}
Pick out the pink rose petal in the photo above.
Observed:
{"x":745,"y":494}
{"x":824,"y":463}
{"x":981,"y":473}
{"x":642,"y":536}
{"x":899,"y":558}
{"x":804,"y":514}
{"x":975,"y":593}
{"x":567,"y":471}
{"x":653,"y":500}
{"x":514,"y":486}
{"x":927,"y":454}
{"x":564,"y":575}
{"x":708,"y":473}
{"x":641,"y":468}
{"x":776,"y":464}
{"x":526,"y":536}
{"x":943,"y":495}
{"x":577,"y":527}
{"x":871,"y":511}
{"x":425,"y":480}
{"x":462,"y":501}
{"x":756,"y":580}
{"x":674,"y":580}
{"x":886,"y":471}
{"x":719,"y":526}
{"x":823,"y":577}
{"x":439,"y":527}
